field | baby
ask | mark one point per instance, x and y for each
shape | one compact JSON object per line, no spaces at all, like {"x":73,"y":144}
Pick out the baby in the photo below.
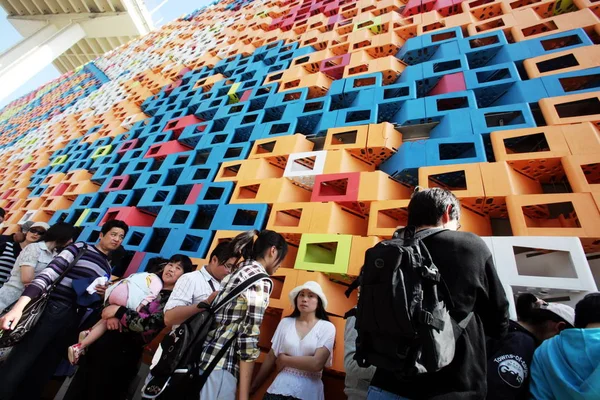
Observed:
{"x":133,"y":292}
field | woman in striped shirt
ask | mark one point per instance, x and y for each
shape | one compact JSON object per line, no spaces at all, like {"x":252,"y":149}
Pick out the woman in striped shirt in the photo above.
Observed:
{"x":33,"y":361}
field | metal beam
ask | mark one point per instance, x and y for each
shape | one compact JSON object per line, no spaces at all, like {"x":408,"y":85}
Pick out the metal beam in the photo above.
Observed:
{"x":16,"y":9}
{"x":33,"y":60}
{"x":13,"y":53}
{"x":41,"y":11}
{"x":62,"y":7}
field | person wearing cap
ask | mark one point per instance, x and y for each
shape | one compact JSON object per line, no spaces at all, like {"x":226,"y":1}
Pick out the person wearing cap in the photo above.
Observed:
{"x":301,"y":347}
{"x":19,"y":235}
{"x":34,"y":258}
{"x":509,"y":358}
{"x":568,"y":365}
{"x":11,"y":246}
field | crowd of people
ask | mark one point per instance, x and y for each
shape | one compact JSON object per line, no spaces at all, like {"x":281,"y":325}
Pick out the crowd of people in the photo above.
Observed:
{"x":551,"y":351}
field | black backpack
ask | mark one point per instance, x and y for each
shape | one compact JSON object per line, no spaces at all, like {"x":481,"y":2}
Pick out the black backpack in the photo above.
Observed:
{"x":177,"y":373}
{"x":403,"y":326}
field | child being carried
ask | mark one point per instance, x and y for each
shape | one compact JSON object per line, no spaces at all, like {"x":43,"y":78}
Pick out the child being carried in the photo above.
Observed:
{"x":133,"y":292}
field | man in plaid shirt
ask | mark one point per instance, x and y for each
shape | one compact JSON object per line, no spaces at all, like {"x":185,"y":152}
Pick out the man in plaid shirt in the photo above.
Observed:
{"x":243,"y":317}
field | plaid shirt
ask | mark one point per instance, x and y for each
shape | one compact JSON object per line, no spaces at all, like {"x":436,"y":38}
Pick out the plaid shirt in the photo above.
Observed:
{"x":243,"y":315}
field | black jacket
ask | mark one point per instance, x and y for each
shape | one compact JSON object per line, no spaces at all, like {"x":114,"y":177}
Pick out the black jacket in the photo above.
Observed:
{"x":466,"y":265}
{"x":509,"y":363}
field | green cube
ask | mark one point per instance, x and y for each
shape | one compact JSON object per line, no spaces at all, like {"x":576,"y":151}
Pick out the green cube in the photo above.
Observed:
{"x":59,"y":160}
{"x":329,"y":253}
{"x":101,"y":151}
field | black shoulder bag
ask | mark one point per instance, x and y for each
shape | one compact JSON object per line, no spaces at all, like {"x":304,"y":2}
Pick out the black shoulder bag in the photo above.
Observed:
{"x":34,"y":310}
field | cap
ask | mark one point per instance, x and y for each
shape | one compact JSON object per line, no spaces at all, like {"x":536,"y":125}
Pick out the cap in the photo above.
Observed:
{"x":562,"y":310}
{"x":26,"y":226}
{"x":40,"y":225}
{"x":313,"y":287}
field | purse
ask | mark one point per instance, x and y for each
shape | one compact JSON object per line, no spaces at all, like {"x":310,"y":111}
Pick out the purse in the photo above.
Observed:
{"x":34,"y":310}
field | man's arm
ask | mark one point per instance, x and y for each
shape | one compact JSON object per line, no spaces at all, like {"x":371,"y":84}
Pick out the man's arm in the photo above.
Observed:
{"x":180,"y":314}
{"x":508,"y":369}
{"x":493,"y":307}
{"x":180,"y":305}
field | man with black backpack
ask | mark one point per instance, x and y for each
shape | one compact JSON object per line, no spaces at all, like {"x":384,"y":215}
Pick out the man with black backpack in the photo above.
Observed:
{"x":198,"y":286}
{"x":428,"y":298}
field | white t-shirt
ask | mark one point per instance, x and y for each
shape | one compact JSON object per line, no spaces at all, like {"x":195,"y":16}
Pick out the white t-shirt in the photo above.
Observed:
{"x":293,"y":382}
{"x":192,"y":288}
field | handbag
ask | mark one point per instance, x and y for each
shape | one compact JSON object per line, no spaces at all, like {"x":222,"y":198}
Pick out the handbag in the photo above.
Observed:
{"x":34,"y":310}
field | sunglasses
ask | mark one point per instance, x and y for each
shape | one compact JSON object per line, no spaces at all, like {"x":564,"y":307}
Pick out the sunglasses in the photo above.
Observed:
{"x":37,"y":231}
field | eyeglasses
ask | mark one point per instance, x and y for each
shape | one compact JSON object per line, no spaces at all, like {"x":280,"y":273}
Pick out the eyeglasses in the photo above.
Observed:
{"x":37,"y":232}
{"x":228,"y":266}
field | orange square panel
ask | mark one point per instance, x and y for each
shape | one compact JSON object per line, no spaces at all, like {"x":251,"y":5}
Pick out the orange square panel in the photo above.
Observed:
{"x":571,"y":109}
{"x":572,"y":214}
{"x":464,"y":180}
{"x":583,"y":172}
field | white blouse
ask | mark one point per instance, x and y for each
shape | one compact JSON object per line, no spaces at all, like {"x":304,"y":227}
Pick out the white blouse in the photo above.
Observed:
{"x":293,"y":382}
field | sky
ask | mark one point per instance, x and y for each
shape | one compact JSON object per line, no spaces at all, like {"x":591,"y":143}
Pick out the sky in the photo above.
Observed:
{"x":164,"y":11}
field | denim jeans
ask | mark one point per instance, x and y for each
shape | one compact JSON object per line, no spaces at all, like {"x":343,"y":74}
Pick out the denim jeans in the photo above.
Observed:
{"x":376,"y":393}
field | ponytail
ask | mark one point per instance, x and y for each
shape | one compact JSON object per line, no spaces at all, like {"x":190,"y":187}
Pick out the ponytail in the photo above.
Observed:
{"x":267,"y":239}
{"x":244,"y":245}
{"x":241,"y":245}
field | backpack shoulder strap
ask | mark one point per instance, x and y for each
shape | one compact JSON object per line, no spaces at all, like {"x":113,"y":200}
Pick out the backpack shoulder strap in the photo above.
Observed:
{"x":425,"y":233}
{"x":239,"y":289}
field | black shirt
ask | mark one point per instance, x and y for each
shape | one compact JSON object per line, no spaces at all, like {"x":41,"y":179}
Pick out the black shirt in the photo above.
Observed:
{"x":466,"y":265}
{"x":509,"y":363}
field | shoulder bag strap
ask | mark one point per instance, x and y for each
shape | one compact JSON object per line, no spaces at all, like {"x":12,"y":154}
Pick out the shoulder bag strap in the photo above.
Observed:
{"x":230,"y":296}
{"x":77,"y":257}
{"x":213,"y":363}
{"x":238,"y":290}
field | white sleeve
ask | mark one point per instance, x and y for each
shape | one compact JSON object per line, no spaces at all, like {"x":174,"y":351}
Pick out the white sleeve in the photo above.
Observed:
{"x":326,"y":338}
{"x":183,"y":292}
{"x":29,"y":256}
{"x":280,"y":332}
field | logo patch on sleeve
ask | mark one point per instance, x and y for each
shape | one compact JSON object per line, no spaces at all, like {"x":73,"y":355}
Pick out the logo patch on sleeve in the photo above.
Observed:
{"x":512,"y":369}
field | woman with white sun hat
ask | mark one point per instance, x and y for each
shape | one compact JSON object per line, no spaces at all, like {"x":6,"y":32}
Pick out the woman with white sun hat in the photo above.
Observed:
{"x":301,"y":347}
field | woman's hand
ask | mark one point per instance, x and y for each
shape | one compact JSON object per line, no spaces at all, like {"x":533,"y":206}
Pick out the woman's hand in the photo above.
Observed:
{"x":110,"y":311}
{"x":113,"y":324}
{"x":11,"y":319}
{"x":101,"y":289}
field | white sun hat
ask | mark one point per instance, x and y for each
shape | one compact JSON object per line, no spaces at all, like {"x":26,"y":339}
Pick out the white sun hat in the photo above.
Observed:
{"x":43,"y":225}
{"x":313,"y":287}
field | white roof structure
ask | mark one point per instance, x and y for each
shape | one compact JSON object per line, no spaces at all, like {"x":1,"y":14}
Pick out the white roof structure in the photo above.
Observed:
{"x":66,"y":33}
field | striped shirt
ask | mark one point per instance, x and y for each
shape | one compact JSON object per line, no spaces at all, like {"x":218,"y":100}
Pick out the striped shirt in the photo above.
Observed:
{"x":93,"y":263}
{"x":243,"y":315}
{"x":8,"y":256}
